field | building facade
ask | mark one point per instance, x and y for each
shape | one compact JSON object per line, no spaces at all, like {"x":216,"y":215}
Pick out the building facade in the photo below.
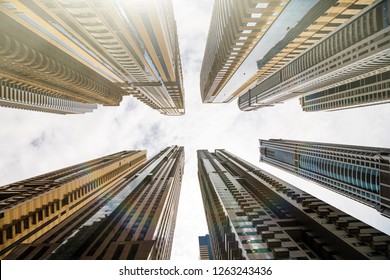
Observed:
{"x":368,"y":91}
{"x":316,"y":23}
{"x":36,"y":75}
{"x":252,"y":214}
{"x":360,"y":173}
{"x":241,"y":32}
{"x":131,"y":214}
{"x":235,"y":29}
{"x":205,"y":250}
{"x":31,"y":207}
{"x":104,"y":49}
{"x":354,"y":51}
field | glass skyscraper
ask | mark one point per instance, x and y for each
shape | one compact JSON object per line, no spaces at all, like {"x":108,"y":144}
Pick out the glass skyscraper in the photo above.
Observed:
{"x":254,"y":215}
{"x":364,"y":92}
{"x":360,"y":173}
{"x":205,"y":251}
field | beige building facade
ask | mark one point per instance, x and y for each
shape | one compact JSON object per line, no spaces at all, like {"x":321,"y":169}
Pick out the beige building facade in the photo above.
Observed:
{"x":244,"y":29}
{"x":115,"y":49}
{"x":116,"y":207}
{"x":355,"y":50}
{"x":30,"y":208}
{"x":235,"y":29}
{"x":321,"y":20}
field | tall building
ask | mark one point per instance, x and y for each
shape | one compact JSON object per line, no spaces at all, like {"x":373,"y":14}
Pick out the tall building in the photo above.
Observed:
{"x":235,"y":29}
{"x":252,"y":214}
{"x":31,"y":207}
{"x":276,"y":32}
{"x":115,"y":207}
{"x":90,"y":52}
{"x":360,"y":173}
{"x":356,"y":50}
{"x":205,"y":250}
{"x":368,"y":91}
{"x":36,"y":75}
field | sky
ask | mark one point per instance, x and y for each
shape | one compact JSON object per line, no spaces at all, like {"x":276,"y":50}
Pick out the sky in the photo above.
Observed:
{"x":34,"y":143}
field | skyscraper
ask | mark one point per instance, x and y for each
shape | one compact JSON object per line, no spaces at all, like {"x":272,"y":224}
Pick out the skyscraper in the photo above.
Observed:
{"x":356,"y":50}
{"x":205,"y":250}
{"x":276,"y":32}
{"x":115,"y":207}
{"x":36,"y":75}
{"x":235,"y":29}
{"x":368,"y":91}
{"x":252,"y":214}
{"x":312,"y":25}
{"x":103,"y":49}
{"x":360,"y":173}
{"x":31,"y":207}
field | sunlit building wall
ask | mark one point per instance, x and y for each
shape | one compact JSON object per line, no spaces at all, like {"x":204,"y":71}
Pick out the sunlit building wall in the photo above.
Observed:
{"x":276,"y":32}
{"x":131,"y":44}
{"x":254,"y":215}
{"x":235,"y":29}
{"x":28,"y":97}
{"x":356,"y":50}
{"x":132,"y":219}
{"x":368,"y":91}
{"x":35,"y":75}
{"x":315,"y":24}
{"x":30,"y":208}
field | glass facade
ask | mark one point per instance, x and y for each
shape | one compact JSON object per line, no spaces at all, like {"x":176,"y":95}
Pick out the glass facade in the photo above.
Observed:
{"x":357,"y":172}
{"x":367,"y":91}
{"x":254,"y":215}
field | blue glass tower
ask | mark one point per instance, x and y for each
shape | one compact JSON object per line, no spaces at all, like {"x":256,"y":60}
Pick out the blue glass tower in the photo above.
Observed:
{"x":205,"y":250}
{"x":360,"y":173}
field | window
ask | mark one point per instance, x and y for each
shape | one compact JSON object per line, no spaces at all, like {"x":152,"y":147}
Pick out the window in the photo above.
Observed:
{"x":33,"y":218}
{"x":263,"y":5}
{"x":18,"y":227}
{"x":26,"y":224}
{"x":65,"y":201}
{"x":8,"y":232}
{"x":40,"y":214}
